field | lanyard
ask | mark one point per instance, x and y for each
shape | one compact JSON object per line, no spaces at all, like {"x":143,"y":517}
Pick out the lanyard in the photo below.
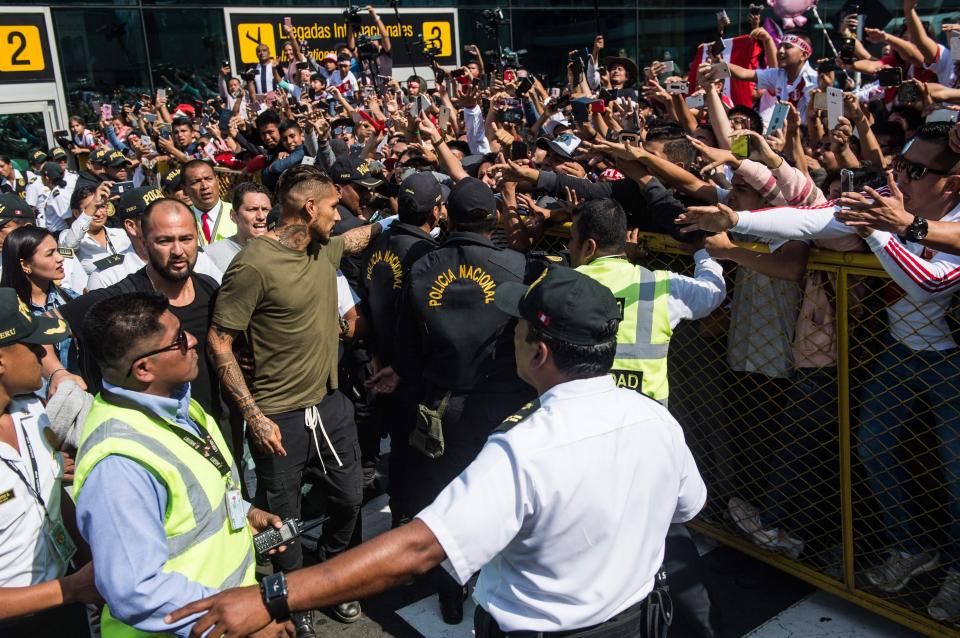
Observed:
{"x":206,"y":447}
{"x":34,"y":491}
{"x":113,"y":251}
{"x":213,"y":231}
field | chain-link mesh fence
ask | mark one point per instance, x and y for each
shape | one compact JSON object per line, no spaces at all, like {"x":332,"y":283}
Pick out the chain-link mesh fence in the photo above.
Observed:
{"x":824,"y":415}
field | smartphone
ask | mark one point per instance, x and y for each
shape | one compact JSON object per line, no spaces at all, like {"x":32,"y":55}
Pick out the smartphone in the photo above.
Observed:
{"x":820,"y":101}
{"x":518,"y":151}
{"x":508,"y":103}
{"x":629,"y":136}
{"x":150,"y":117}
{"x":694,"y":101}
{"x":119,"y":188}
{"x":719,"y":71}
{"x":302,"y":66}
{"x":722,"y":15}
{"x":908,"y":92}
{"x":581,"y":110}
{"x":740,"y":146}
{"x":61,"y":134}
{"x":413,"y":107}
{"x":563,"y":102}
{"x":846,"y":180}
{"x":444,"y":119}
{"x":943,"y":115}
{"x":778,"y":119}
{"x":834,"y":107}
{"x":524,"y":86}
{"x":891,"y":76}
{"x":677,"y":87}
{"x":597,"y":106}
{"x":717,"y":47}
{"x":554,"y":92}
{"x":106,"y":111}
{"x":165,"y":131}
{"x":848,"y":48}
{"x":955,"y":45}
{"x":668,"y":67}
{"x":509,"y":75}
{"x":161,"y":94}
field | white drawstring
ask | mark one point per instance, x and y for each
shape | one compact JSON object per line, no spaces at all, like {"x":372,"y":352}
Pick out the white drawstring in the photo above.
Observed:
{"x":312,"y":417}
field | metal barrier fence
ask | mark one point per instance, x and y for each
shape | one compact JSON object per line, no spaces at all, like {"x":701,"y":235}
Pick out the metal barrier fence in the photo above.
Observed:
{"x":807,"y":416}
{"x":228,"y":178}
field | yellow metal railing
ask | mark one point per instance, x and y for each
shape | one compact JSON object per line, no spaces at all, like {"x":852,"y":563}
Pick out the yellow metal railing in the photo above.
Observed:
{"x":743,"y":416}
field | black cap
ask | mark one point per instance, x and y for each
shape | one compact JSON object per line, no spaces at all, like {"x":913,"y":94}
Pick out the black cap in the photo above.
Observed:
{"x":13,"y":207}
{"x":99,"y":156}
{"x":134,"y":202}
{"x":37,"y":156}
{"x":58,"y":154}
{"x":172,"y":180}
{"x":470,"y":195}
{"x":117,"y":159}
{"x":52,"y":171}
{"x":19,"y":325}
{"x":562,"y":303}
{"x":348,"y":170}
{"x":419,"y":193}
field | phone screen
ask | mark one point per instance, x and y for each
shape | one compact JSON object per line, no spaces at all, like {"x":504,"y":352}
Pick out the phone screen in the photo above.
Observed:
{"x":846,"y":180}
{"x":740,"y":146}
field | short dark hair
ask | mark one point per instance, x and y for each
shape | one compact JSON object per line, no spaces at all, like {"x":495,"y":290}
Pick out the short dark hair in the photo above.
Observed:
{"x":268,"y":117}
{"x":114,"y":326}
{"x":5,"y":159}
{"x":939,"y":134}
{"x":680,"y":151}
{"x":661,"y":132}
{"x":192,"y":164}
{"x":181,"y":121}
{"x":891,"y":129}
{"x":80,"y":193}
{"x":239,"y":191}
{"x":576,"y":361}
{"x":289,"y":124}
{"x":603,"y":221}
{"x":21,"y":243}
{"x":910,"y":116}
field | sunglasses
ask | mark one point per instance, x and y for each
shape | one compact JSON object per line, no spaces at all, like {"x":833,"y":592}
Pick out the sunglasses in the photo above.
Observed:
{"x":913,"y":170}
{"x":180,"y":343}
{"x":340,"y":130}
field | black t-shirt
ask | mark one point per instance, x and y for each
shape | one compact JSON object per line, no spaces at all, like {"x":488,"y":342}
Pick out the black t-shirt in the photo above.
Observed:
{"x":194,"y":318}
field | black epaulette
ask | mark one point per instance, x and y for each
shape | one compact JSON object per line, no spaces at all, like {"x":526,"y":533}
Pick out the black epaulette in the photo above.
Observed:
{"x":511,"y":421}
{"x":66,"y":252}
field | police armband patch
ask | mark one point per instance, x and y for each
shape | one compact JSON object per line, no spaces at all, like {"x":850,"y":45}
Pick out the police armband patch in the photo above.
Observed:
{"x":518,"y":417}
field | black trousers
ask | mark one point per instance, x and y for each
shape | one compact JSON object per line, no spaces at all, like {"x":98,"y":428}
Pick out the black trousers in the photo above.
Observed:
{"x":280,"y":478}
{"x":630,"y":623}
{"x":67,"y":621}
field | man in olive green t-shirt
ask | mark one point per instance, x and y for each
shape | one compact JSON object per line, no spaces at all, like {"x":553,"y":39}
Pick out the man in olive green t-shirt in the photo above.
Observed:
{"x":280,"y":292}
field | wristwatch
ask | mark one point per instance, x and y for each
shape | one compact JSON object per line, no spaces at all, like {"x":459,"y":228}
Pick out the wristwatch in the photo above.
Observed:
{"x":274,"y":590}
{"x":917,"y":230}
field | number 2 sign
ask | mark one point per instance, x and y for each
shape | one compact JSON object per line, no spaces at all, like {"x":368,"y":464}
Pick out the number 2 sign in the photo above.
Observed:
{"x":24,"y":50}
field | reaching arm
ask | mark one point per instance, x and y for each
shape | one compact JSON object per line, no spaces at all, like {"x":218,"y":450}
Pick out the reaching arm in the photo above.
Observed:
{"x":357,"y":239}
{"x":918,"y":35}
{"x":384,"y":34}
{"x":789,"y":262}
{"x":740,"y":73}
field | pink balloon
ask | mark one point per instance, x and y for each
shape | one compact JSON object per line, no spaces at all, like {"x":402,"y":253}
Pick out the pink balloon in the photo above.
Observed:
{"x":791,"y":12}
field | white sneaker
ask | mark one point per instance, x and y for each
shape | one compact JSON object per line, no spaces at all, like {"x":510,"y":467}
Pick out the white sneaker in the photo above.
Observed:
{"x":945,"y":606}
{"x":899,"y":568}
{"x":747,"y":518}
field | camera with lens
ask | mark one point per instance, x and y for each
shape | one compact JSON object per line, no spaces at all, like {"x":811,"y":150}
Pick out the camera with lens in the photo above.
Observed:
{"x":366,"y":46}
{"x":352,"y":15}
{"x":249,"y":75}
{"x":493,"y":15}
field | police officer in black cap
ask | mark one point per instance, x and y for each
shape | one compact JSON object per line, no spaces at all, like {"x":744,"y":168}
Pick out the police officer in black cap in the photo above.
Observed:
{"x":96,"y":170}
{"x":458,"y":346}
{"x":419,"y":207}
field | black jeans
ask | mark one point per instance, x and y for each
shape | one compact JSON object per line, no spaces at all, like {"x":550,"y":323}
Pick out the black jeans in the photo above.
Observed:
{"x":280,"y":478}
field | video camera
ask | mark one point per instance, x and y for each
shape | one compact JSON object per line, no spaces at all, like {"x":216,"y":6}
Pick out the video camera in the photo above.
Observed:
{"x":249,"y":75}
{"x":365,"y":44}
{"x":492,"y":19}
{"x":352,"y":15}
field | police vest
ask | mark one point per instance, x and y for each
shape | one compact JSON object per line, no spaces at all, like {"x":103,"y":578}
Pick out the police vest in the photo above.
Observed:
{"x":200,"y":544}
{"x":644,"y":335}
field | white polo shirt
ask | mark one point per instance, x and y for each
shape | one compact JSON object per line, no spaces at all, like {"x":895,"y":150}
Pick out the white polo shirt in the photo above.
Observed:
{"x":26,"y":556}
{"x":565,"y":514}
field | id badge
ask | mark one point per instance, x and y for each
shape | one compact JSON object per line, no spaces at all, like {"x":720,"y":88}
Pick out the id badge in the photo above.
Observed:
{"x":236,"y":510}
{"x":108,"y":262}
{"x":60,"y":539}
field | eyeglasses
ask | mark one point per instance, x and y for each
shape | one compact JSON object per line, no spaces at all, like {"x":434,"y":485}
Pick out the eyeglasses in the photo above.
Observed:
{"x":340,"y":130}
{"x":913,"y":170}
{"x":180,"y":343}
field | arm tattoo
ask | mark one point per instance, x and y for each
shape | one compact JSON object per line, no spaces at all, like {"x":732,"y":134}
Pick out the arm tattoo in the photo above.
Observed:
{"x":354,"y":241}
{"x":220,"y":342}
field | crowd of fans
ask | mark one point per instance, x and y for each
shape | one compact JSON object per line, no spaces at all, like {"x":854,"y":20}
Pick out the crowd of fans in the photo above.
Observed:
{"x":875,"y":167}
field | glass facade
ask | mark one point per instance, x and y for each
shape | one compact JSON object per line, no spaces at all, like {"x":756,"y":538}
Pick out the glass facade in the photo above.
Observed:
{"x":134,"y":45}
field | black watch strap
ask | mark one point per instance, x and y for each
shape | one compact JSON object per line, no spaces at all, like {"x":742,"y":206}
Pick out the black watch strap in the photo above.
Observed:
{"x":274,"y":590}
{"x":917,"y":230}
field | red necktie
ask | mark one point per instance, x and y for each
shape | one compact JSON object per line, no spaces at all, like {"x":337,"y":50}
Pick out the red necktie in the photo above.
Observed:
{"x":205,"y":219}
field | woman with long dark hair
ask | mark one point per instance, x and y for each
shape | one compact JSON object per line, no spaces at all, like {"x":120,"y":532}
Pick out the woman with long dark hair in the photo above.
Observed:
{"x":33,"y":266}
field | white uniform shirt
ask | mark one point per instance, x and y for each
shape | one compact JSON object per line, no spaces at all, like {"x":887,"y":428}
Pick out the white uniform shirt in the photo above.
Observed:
{"x":87,"y":249}
{"x":56,"y":213}
{"x":132,"y":263}
{"x":27,"y":556}
{"x":566,"y":513}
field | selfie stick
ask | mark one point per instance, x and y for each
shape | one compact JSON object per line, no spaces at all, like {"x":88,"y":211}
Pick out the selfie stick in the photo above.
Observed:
{"x":406,"y":45}
{"x":826,"y":35}
{"x":596,"y":15}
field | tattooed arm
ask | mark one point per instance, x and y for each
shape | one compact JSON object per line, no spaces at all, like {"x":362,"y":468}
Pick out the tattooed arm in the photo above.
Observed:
{"x":355,"y":240}
{"x":266,"y":433}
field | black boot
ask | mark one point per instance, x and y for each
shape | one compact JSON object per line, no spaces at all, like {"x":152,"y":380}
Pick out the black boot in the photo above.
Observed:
{"x":347,"y":612}
{"x":451,"y":605}
{"x":303,"y":622}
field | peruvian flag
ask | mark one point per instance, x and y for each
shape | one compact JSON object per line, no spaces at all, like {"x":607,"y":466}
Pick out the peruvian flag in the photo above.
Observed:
{"x":742,"y":51}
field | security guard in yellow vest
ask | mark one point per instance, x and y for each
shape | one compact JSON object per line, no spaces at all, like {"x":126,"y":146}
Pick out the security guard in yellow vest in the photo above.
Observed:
{"x":157,"y":491}
{"x":211,"y":213}
{"x":652,"y":302}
